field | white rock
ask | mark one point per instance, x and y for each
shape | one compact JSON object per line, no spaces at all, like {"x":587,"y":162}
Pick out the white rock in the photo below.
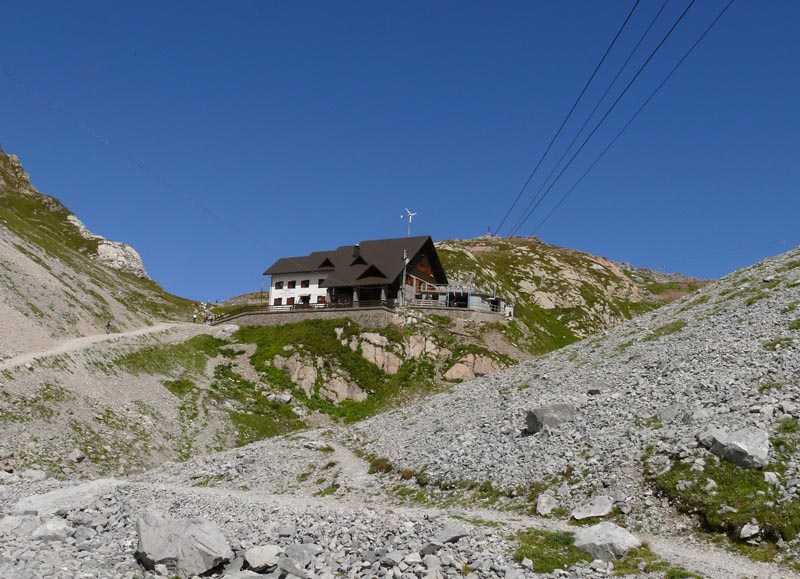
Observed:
{"x":545,"y":504}
{"x":599,"y":506}
{"x":748,"y":531}
{"x":263,"y":558}
{"x":605,"y":541}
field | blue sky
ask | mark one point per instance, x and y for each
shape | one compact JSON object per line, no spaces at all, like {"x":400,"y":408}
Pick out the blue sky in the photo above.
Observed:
{"x":308,"y":125}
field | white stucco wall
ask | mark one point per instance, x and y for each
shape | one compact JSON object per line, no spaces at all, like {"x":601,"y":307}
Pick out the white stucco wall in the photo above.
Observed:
{"x":313,"y":288}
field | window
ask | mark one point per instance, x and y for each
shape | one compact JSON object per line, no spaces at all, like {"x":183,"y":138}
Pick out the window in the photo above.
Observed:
{"x":291,"y":284}
{"x":277,"y":302}
{"x":278,"y":285}
{"x":320,"y":299}
{"x":290,"y":301}
{"x":319,"y":283}
{"x":304,"y":283}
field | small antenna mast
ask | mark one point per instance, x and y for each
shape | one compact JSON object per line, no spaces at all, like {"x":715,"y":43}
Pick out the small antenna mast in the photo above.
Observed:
{"x":410,"y":216}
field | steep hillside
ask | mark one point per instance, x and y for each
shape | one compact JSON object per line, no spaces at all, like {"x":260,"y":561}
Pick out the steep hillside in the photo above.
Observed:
{"x":691,"y":408}
{"x":560,"y":295}
{"x":59,"y":280}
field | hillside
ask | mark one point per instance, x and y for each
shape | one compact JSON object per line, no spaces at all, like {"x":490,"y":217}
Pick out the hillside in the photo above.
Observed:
{"x":646,"y":397}
{"x":560,"y":295}
{"x":58,"y":280}
{"x":137,"y":399}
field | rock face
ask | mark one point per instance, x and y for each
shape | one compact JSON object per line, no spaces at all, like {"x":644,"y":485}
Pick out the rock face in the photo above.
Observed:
{"x":550,"y":416}
{"x":470,"y":366}
{"x":301,"y":371}
{"x":186,"y":546}
{"x":375,"y":349}
{"x":606,"y":541}
{"x":747,"y":447}
{"x":113,"y":254}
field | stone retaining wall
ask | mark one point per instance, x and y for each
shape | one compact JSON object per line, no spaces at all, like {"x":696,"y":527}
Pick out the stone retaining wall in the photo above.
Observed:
{"x":369,"y":317}
{"x":378,"y":317}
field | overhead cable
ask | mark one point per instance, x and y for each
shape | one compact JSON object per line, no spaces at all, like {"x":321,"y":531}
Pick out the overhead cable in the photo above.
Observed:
{"x":569,"y":114}
{"x":594,"y":110}
{"x":605,"y":116}
{"x":636,"y":114}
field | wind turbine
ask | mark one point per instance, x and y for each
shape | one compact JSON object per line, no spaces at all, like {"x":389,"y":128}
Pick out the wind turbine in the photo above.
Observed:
{"x":410,"y":216}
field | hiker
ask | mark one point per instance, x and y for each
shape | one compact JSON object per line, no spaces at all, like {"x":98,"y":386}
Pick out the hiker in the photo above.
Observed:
{"x":108,"y":327}
{"x":194,"y":318}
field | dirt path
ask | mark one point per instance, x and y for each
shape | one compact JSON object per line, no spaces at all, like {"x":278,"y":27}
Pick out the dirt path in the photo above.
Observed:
{"x":87,"y":341}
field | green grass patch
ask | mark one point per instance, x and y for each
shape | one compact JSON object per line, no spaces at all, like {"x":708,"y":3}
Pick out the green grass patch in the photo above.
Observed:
{"x":777,"y":343}
{"x":681,"y":287}
{"x":182,"y":359}
{"x":441,"y":320}
{"x":791,"y":307}
{"x":254,"y":416}
{"x":789,"y":266}
{"x":666,"y":330}
{"x":769,"y":386}
{"x":329,"y":490}
{"x":380,"y":464}
{"x":795,"y":325}
{"x":42,"y":405}
{"x":549,"y":550}
{"x":741,"y":489}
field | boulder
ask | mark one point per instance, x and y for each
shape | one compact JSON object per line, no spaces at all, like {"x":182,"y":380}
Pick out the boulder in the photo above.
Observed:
{"x":263,"y":559}
{"x":599,"y":506}
{"x":53,"y":530}
{"x":747,"y":447}
{"x":187,"y":547}
{"x":337,"y":390}
{"x":545,"y":504}
{"x":451,"y":534}
{"x":605,"y":541}
{"x":18,"y":525}
{"x":374,"y":349}
{"x":550,"y":416}
{"x":749,"y":531}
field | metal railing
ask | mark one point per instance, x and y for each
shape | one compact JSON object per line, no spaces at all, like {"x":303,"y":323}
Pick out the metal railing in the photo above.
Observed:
{"x":413,"y":303}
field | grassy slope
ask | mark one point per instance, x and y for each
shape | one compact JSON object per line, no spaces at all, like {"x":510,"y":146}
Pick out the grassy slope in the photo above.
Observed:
{"x":41,"y":220}
{"x":592,"y":298}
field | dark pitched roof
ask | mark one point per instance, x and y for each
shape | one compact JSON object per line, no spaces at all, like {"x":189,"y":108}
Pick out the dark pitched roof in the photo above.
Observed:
{"x":317,"y":261}
{"x":377,"y":262}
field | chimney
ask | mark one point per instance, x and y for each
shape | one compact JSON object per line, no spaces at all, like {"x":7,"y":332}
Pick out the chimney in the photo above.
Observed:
{"x":356,"y":251}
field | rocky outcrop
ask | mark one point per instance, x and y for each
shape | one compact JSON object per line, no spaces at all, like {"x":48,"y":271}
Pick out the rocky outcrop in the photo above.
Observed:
{"x":377,"y":349}
{"x":471,"y":366}
{"x":302,"y":371}
{"x":557,"y":293}
{"x":113,"y":254}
